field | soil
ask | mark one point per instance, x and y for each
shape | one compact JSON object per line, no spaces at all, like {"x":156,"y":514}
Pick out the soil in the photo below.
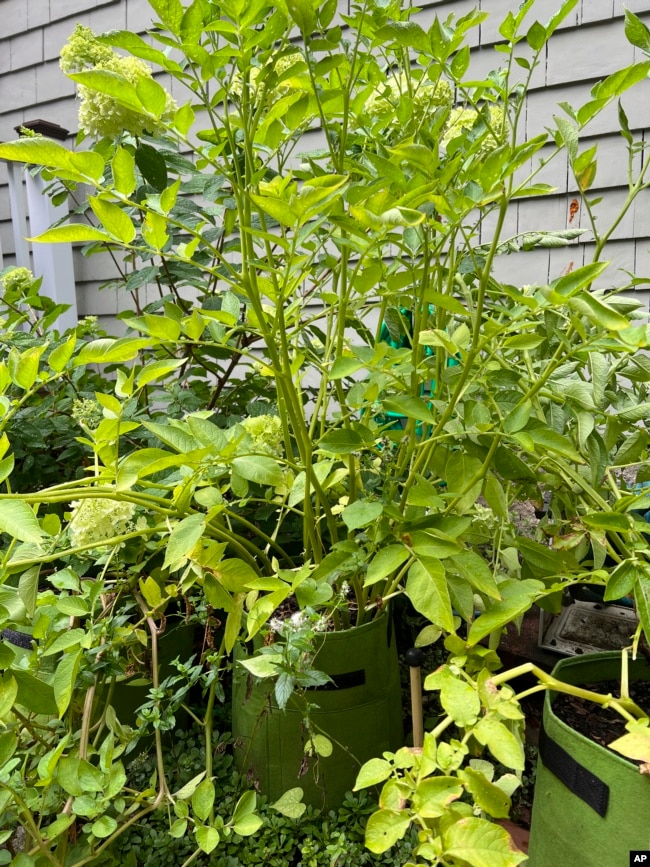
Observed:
{"x":601,"y":725}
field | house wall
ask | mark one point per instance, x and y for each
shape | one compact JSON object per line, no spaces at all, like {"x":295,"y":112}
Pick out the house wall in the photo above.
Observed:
{"x":590,"y":44}
{"x":33,"y":87}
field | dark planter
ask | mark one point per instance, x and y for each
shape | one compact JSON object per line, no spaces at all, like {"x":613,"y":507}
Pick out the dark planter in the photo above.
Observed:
{"x":361,"y":714}
{"x":591,"y":805}
{"x":133,"y":691}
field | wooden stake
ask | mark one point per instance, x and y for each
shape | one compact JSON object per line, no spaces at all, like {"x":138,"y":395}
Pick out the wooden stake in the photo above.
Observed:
{"x":414,"y":657}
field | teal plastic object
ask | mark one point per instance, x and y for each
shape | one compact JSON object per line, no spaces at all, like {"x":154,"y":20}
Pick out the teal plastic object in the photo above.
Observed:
{"x":362,"y":716}
{"x":601,"y":811}
{"x":395,"y":420}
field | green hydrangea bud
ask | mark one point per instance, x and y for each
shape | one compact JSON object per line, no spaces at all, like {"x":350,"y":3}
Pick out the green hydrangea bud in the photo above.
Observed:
{"x":298,"y":81}
{"x":426,"y":97}
{"x":463,"y":119}
{"x":266,"y":433}
{"x":17,"y":280}
{"x":87,"y":413}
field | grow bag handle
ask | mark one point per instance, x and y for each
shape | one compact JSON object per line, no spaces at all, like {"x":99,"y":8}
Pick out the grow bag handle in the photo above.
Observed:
{"x":578,"y":779}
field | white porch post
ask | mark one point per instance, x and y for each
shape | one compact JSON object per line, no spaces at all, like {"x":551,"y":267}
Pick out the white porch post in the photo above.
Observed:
{"x":18,"y":215}
{"x":52,"y":262}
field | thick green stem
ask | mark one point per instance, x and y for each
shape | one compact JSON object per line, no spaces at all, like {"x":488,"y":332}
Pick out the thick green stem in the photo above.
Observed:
{"x":425,"y":454}
{"x":627,"y":708}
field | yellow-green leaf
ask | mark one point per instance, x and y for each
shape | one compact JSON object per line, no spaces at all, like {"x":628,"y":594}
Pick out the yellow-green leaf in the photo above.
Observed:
{"x":59,"y":357}
{"x":107,"y":350}
{"x":635,"y":744}
{"x":207,"y":838}
{"x":480,"y":843}
{"x":182,"y":540}
{"x":157,"y":370}
{"x":113,"y":219}
{"x":203,"y":799}
{"x":72,"y":233}
{"x":8,"y":693}
{"x":152,"y":95}
{"x":384,"y":828}
{"x":433,"y":796}
{"x":123,"y":166}
{"x":490,"y":798}
{"x":372,"y":773}
{"x":64,"y":680}
{"x":18,"y":520}
{"x":111,"y":83}
{"x":426,"y":587}
{"x":290,"y":804}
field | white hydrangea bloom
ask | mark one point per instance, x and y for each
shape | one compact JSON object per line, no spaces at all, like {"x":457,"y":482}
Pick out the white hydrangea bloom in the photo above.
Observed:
{"x":83,"y":51}
{"x":101,"y":115}
{"x":95,"y":521}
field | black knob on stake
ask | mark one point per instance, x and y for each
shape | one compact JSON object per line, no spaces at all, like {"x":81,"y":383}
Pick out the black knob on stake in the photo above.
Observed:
{"x":415,"y":657}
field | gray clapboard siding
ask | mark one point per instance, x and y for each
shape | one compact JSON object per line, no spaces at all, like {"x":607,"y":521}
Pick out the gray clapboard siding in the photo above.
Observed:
{"x":589,"y":45}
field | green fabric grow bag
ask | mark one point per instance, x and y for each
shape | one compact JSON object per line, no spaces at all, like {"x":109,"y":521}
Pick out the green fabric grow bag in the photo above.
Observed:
{"x":361,"y":714}
{"x":591,"y":805}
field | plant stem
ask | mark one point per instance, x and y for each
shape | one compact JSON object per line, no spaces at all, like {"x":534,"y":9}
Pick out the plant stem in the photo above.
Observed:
{"x":33,"y":828}
{"x":624,"y":706}
{"x":155,"y":677}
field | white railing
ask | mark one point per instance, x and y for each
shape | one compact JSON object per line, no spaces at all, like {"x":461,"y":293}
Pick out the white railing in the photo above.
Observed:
{"x":32,"y":212}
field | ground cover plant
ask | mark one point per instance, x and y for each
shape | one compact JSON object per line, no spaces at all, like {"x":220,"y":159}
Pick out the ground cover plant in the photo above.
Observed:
{"x":361,"y":402}
{"x":307,"y":838}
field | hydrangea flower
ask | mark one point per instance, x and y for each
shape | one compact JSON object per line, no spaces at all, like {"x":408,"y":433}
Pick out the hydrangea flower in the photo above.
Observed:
{"x":101,"y":115}
{"x":266,"y":433}
{"x":486,"y":516}
{"x":95,"y":521}
{"x":283,"y":64}
{"x":425,"y":97}
{"x":83,"y":51}
{"x":87,"y":413}
{"x":298,"y":81}
{"x":17,"y":280}
{"x":463,"y":119}
{"x":89,"y":325}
